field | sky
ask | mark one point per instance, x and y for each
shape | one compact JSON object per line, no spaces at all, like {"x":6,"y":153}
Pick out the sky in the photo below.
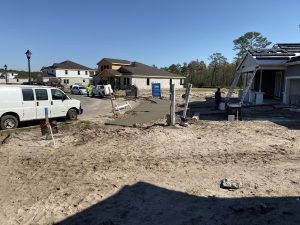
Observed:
{"x":154,"y":32}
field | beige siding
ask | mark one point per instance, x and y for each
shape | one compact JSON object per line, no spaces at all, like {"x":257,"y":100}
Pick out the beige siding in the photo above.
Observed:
{"x":141,"y":83}
{"x":115,"y":67}
{"x":83,"y":81}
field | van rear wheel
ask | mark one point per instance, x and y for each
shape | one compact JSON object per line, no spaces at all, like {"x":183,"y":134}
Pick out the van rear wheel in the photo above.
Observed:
{"x":9,"y":122}
{"x":72,"y":114}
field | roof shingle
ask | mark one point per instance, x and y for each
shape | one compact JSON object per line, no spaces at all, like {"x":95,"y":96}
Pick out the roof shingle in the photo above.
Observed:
{"x":137,"y":68}
{"x":115,"y":61}
{"x":69,"y":65}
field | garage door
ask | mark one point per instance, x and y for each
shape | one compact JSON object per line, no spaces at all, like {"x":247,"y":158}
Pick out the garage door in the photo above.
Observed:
{"x":295,"y":91}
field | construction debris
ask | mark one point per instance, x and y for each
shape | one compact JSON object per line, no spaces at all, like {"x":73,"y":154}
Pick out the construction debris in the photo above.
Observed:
{"x":196,"y":117}
{"x":5,"y":139}
{"x":230,"y":184}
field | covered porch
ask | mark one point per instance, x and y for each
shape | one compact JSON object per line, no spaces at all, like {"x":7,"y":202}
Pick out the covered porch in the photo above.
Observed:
{"x":116,"y":79}
{"x":267,"y":86}
{"x":263,"y":79}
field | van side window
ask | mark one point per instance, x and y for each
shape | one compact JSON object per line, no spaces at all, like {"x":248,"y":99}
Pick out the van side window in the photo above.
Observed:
{"x":57,"y":95}
{"x":27,"y":94}
{"x":41,"y":94}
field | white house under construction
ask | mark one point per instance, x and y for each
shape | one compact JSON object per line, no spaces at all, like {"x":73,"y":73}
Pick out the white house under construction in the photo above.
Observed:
{"x":271,"y":75}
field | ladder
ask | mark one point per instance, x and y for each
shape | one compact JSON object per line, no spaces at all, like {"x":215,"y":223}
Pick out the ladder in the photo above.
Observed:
{"x":233,"y":84}
{"x":249,"y":84}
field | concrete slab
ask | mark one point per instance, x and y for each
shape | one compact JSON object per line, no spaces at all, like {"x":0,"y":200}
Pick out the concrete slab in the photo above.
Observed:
{"x":146,"y":112}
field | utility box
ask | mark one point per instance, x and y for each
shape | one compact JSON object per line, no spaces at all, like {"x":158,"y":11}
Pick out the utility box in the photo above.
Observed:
{"x":156,"y":90}
{"x":132,"y":91}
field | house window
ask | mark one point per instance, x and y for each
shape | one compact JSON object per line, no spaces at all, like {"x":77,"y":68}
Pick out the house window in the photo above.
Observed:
{"x":170,"y":82}
{"x":66,"y":81}
{"x":181,"y":81}
{"x":102,"y":68}
{"x":66,"y":72}
{"x":128,"y":82}
{"x":148,"y":81}
{"x":17,"y":80}
{"x":78,"y":72}
{"x":86,"y":72}
{"x":83,"y":80}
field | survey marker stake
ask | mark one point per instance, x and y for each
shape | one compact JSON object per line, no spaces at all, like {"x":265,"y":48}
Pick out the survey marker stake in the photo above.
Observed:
{"x":49,"y":126}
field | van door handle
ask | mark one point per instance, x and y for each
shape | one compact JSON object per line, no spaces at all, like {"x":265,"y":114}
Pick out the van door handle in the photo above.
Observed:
{"x":37,"y":103}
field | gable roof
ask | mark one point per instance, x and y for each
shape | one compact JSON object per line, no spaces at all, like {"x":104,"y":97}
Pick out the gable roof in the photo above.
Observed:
{"x":271,"y":52}
{"x":110,"y":73}
{"x":68,"y":65}
{"x":279,"y":56}
{"x":140,"y":69}
{"x":278,"y":50}
{"x":291,"y":47}
{"x":115,"y":61}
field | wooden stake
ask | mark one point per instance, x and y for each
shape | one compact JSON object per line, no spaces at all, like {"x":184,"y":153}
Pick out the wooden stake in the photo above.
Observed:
{"x":186,"y":100}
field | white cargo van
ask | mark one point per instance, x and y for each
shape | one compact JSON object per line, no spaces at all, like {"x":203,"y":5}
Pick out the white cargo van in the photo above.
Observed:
{"x":24,"y":103}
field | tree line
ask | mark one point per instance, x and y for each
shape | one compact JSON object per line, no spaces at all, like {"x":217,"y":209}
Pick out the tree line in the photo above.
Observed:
{"x":218,"y":72}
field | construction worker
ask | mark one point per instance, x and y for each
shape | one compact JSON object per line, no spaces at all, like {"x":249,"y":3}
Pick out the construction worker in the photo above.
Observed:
{"x":89,"y":90}
{"x":218,"y":98}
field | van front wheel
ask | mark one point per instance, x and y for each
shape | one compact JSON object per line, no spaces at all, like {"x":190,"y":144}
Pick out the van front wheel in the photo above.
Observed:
{"x":72,"y":114}
{"x":9,"y":122}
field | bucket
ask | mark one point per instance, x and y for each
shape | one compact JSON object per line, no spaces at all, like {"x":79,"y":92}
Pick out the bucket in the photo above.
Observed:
{"x":222,"y":106}
{"x":231,"y":117}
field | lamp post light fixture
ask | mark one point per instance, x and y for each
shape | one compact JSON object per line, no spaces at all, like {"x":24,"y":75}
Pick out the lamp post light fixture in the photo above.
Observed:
{"x":28,"y":55}
{"x":5,"y":68}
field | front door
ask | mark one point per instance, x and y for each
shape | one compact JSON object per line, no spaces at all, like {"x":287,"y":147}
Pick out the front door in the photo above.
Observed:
{"x":59,"y":104}
{"x":42,"y":102}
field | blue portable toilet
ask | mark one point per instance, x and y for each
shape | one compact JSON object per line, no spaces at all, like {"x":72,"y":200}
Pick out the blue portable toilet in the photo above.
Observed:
{"x":156,"y":91}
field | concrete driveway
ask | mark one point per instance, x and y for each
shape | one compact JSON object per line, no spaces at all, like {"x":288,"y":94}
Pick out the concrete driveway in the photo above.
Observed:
{"x":99,"y":108}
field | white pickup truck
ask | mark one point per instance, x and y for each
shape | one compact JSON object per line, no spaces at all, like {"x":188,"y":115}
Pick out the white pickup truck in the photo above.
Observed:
{"x":102,"y":90}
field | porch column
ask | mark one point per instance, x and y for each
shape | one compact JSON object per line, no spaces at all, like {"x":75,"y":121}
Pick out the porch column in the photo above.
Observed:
{"x":260,"y":80}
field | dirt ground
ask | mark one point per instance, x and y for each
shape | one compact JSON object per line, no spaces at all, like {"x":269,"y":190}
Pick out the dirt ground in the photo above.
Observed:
{"x":109,"y":175}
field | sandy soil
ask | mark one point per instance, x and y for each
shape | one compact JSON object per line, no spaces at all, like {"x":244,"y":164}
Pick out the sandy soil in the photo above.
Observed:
{"x":108,"y":175}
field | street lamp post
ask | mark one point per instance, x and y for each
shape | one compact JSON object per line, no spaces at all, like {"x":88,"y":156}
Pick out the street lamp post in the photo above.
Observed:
{"x":28,"y":55}
{"x":5,"y":68}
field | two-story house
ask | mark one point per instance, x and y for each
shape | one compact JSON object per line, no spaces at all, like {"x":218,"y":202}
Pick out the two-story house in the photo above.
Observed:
{"x":67,"y":72}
